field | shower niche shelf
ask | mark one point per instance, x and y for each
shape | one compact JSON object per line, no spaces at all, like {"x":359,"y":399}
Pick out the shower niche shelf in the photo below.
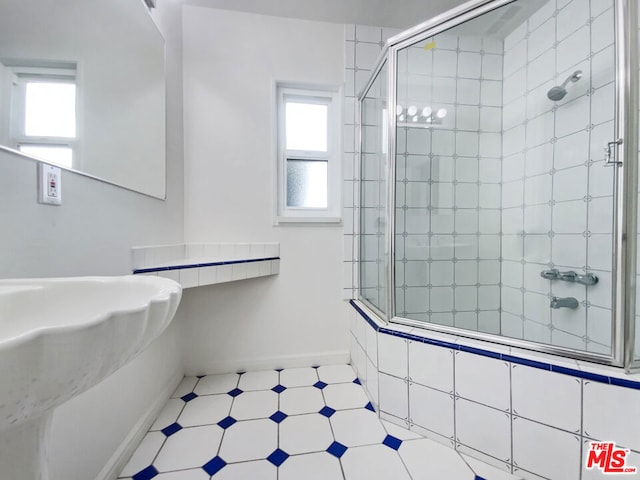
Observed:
{"x":198,"y":264}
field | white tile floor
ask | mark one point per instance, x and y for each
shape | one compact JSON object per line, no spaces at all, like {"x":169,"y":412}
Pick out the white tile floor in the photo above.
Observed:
{"x":300,"y":423}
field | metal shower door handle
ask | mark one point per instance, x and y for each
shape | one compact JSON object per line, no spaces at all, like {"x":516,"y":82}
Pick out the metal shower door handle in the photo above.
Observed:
{"x":609,"y":153}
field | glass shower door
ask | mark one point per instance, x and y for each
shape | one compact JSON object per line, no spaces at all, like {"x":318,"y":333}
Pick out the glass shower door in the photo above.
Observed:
{"x":504,"y":206}
{"x":373,"y":195}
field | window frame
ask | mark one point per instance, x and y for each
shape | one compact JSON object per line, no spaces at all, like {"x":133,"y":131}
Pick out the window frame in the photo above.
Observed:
{"x":20,"y":76}
{"x":322,"y":95}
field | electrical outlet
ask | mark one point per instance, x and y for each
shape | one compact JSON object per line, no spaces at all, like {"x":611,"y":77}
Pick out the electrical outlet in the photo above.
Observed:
{"x":49,"y":184}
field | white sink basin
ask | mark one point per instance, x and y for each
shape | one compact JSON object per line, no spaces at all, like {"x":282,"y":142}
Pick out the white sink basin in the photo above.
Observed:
{"x":61,"y":336}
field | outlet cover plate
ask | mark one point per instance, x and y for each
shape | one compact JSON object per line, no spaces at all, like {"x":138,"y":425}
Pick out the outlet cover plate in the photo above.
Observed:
{"x":49,"y":184}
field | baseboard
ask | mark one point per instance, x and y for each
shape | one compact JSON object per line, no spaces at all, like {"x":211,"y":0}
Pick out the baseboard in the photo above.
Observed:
{"x":266,"y":363}
{"x":121,"y":456}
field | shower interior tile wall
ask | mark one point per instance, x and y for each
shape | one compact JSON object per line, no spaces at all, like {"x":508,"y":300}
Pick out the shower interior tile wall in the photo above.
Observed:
{"x":448,"y":183}
{"x":557,"y":194}
{"x":517,"y":180}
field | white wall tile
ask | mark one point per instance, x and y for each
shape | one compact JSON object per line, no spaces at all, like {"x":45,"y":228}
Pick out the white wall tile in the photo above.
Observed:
{"x":608,"y":413}
{"x":431,"y":366}
{"x":541,"y":39}
{"x":445,"y":62}
{"x":224,"y":273}
{"x":189,"y":277}
{"x":371,"y":382}
{"x":394,"y":396}
{"x":541,"y":69}
{"x":483,"y":380}
{"x":546,"y":397}
{"x":571,"y":150}
{"x":469,"y":64}
{"x":484,"y":429}
{"x":515,"y":58}
{"x":170,"y":274}
{"x":366,"y":33}
{"x":602,"y":28}
{"x":392,"y":355}
{"x":468,"y":91}
{"x":574,"y":116}
{"x":431,"y":409}
{"x":573,"y":49}
{"x":492,"y":67}
{"x":533,"y":442}
{"x":366,"y":55}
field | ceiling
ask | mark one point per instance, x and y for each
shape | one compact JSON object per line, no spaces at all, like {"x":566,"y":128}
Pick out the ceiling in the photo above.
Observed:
{"x":384,"y":13}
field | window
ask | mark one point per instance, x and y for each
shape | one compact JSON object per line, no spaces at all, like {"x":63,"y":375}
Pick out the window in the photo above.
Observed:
{"x":43,"y":113}
{"x":308,"y":155}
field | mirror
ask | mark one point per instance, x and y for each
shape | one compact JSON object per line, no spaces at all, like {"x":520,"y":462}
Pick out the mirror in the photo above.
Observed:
{"x":83,"y":86}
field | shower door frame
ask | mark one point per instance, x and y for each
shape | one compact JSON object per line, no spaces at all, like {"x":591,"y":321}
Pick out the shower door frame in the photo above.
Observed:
{"x":625,"y":195}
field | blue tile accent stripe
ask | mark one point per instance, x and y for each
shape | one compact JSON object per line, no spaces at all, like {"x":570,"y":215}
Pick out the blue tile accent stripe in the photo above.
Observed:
{"x":364,"y":315}
{"x":594,"y":377}
{"x":198,"y":265}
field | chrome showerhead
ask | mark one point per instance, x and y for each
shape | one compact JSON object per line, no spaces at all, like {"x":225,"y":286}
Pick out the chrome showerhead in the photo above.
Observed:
{"x":557,"y":93}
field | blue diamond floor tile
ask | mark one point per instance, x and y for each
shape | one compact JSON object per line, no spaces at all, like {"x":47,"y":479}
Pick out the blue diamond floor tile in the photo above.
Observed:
{"x":214,"y":465}
{"x":478,"y":477}
{"x":320,"y":385}
{"x":146,"y":474}
{"x":189,"y":396}
{"x":226,"y":422}
{"x":392,"y":442}
{"x":235,"y":392}
{"x":279,"y":369}
{"x":278,"y":457}
{"x":279,"y":388}
{"x":337,"y":449}
{"x":327,"y":411}
{"x":369,"y":406}
{"x":171,"y":429}
{"x":278,"y":416}
{"x":357,"y":381}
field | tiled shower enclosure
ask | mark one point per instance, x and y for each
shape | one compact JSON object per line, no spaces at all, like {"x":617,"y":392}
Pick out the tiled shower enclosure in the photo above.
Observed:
{"x":495,"y":181}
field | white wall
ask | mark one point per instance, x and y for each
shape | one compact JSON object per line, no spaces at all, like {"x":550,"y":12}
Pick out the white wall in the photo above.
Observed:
{"x":231,"y":61}
{"x":91,"y":234}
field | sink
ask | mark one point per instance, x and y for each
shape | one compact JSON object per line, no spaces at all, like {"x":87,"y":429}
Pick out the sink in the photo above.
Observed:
{"x":58,"y":338}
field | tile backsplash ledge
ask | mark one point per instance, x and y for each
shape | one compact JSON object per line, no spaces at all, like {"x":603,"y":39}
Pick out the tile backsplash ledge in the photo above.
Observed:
{"x":198,"y":264}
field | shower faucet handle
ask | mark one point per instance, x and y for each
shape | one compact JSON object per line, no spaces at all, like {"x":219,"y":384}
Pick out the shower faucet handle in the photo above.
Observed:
{"x":550,"y":274}
{"x":570,"y":276}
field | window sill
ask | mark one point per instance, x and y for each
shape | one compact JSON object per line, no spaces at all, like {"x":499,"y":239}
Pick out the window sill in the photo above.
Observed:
{"x":302,"y":220}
